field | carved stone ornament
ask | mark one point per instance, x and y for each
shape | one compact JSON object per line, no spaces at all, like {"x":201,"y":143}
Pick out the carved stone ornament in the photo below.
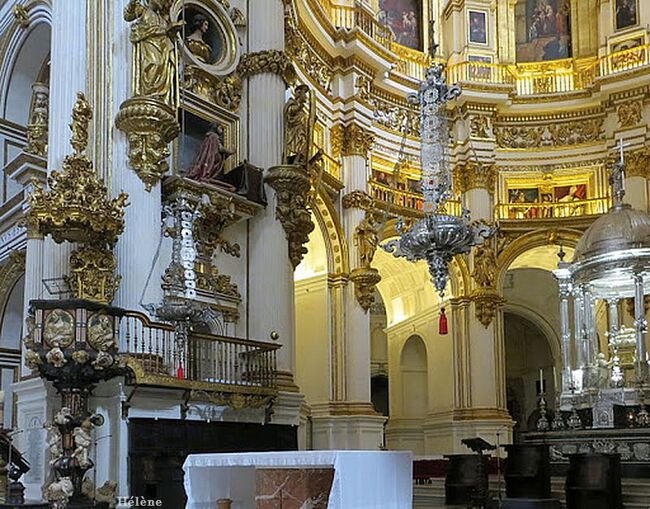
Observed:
{"x":294,"y":178}
{"x":149,"y":117}
{"x":226,"y":91}
{"x":300,"y":51}
{"x":37,"y":129}
{"x":486,"y":301}
{"x":21,"y":15}
{"x":573,"y":132}
{"x":365,"y":280}
{"x":630,"y":113}
{"x":481,"y":126}
{"x":292,"y":186}
{"x":637,"y":163}
{"x":351,"y":140}
{"x":473,"y":175}
{"x":76,"y":209}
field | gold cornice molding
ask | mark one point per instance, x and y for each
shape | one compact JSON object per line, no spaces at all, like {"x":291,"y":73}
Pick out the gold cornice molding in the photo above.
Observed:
{"x":351,"y":140}
{"x":344,"y":408}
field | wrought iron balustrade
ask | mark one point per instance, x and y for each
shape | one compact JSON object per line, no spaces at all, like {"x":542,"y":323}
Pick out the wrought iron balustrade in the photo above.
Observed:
{"x":552,"y":210}
{"x":158,"y":356}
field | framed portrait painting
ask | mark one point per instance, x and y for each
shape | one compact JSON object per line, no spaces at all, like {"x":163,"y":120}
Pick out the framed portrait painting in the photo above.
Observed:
{"x":626,"y":13}
{"x":478,"y":27}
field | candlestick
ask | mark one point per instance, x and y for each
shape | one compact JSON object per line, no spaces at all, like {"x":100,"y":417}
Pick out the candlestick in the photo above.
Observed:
{"x":541,"y":380}
{"x":555,"y":379}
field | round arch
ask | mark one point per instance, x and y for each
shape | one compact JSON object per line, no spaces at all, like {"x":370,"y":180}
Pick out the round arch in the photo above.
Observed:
{"x":540,"y":322}
{"x":528,"y":241}
{"x":22,"y":56}
{"x":338,"y":261}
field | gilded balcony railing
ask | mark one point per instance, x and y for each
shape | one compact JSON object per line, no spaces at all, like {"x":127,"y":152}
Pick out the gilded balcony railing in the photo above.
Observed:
{"x":399,"y":200}
{"x":203,"y":361}
{"x":552,"y":77}
{"x":331,"y":166}
{"x":552,"y":210}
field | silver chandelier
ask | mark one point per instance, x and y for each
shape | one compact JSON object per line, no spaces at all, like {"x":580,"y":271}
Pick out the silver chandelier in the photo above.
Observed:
{"x":437,"y":237}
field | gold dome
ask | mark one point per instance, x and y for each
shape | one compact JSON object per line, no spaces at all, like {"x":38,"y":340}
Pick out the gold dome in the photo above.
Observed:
{"x":621,"y":228}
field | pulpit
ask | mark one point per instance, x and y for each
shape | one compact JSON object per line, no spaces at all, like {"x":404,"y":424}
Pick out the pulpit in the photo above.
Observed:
{"x":317,"y":479}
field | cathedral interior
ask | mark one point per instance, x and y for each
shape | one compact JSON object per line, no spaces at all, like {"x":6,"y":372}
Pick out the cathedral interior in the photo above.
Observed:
{"x":252,"y":248}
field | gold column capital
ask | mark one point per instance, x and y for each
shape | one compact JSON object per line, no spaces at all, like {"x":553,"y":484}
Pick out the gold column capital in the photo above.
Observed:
{"x":475,"y":175}
{"x":351,"y":140}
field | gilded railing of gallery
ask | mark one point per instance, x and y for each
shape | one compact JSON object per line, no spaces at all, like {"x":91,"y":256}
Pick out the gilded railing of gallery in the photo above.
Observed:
{"x":404,"y":202}
{"x":552,"y":210}
{"x":554,"y":77}
{"x":158,"y":357}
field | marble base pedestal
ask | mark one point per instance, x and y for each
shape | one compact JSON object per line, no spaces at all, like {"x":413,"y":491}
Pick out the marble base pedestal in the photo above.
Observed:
{"x":293,"y":488}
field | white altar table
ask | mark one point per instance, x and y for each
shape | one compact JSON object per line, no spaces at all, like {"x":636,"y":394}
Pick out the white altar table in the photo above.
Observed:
{"x":362,"y":479}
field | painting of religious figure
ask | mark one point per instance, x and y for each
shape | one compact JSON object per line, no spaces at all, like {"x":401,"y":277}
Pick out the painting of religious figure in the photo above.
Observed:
{"x":477,"y":27}
{"x":626,"y":13}
{"x":403,"y":18}
{"x":543,"y":30}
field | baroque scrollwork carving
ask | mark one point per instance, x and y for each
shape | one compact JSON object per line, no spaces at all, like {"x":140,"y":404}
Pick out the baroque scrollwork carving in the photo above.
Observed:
{"x":637,"y":163}
{"x":38,"y":121}
{"x":21,"y":15}
{"x":226,"y":91}
{"x":76,"y":209}
{"x":630,"y":113}
{"x":485,"y":296}
{"x":480,"y":126}
{"x":473,"y":175}
{"x":573,"y":132}
{"x":299,"y":49}
{"x":149,"y":117}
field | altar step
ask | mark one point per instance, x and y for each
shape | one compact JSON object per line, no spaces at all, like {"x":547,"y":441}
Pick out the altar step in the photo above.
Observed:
{"x":636,"y":493}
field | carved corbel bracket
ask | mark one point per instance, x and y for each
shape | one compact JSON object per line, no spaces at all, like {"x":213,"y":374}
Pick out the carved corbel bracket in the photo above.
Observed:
{"x":292,"y":186}
{"x":150,"y":125}
{"x":487,"y":302}
{"x":366,"y":240}
{"x":365,"y":280}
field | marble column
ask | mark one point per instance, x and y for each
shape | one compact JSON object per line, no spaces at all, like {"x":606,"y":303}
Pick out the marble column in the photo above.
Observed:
{"x":67,"y":77}
{"x":142,"y":218}
{"x":565,"y":293}
{"x":270,"y":291}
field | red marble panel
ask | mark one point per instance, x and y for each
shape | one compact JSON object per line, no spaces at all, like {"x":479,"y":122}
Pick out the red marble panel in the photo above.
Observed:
{"x":293,"y":488}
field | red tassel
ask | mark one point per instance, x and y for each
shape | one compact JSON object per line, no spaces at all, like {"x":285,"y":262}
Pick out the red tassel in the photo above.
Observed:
{"x":180,"y":372}
{"x":442,"y":323}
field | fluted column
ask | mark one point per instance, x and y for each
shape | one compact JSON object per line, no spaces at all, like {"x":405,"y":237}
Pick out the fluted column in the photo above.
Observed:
{"x":565,"y":293}
{"x":67,"y":77}
{"x":137,"y":247}
{"x":357,"y":320}
{"x":270,"y":287}
{"x":33,"y":279}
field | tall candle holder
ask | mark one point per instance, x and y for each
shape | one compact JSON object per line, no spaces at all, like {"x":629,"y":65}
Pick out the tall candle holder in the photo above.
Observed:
{"x":574,"y":421}
{"x":542,"y":422}
{"x":558,"y":423}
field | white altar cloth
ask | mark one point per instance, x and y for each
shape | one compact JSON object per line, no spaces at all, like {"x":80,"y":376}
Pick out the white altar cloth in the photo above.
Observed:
{"x":362,"y":479}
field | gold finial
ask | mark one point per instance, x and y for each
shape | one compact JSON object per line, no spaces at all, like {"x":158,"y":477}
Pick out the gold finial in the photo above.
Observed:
{"x":81,"y":115}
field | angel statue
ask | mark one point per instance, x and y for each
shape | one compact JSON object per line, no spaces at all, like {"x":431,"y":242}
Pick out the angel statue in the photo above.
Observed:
{"x":154,"y":45}
{"x":299,"y":120}
{"x":212,"y":156}
{"x":82,"y":441}
{"x":485,"y":266}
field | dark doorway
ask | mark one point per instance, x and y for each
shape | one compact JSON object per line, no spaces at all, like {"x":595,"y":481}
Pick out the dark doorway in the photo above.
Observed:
{"x":158,"y":448}
{"x":379,"y":394}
